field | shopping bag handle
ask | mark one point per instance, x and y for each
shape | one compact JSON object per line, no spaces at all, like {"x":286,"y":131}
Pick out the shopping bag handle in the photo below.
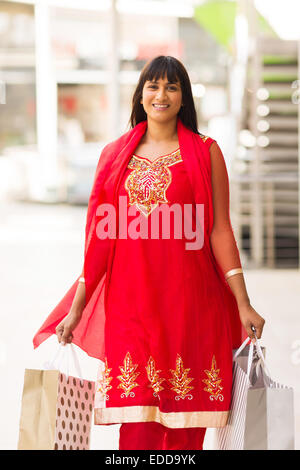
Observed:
{"x":240,"y":349}
{"x":62,"y":354}
{"x":52,"y":364}
{"x":250,"y":355}
{"x":262,"y":361}
{"x":251,"y":351}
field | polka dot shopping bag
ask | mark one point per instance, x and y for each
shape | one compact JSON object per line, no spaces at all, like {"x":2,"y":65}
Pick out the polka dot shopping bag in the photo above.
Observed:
{"x":57,"y":408}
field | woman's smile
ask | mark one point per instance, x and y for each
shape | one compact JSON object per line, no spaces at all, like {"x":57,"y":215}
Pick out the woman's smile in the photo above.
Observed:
{"x":161,"y":107}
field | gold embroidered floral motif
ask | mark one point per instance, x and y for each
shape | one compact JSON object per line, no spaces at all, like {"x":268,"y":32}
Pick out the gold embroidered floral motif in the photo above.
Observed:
{"x":104,"y":381}
{"x":180,"y":380}
{"x":147,"y":184}
{"x":204,"y":137}
{"x":153,"y":376}
{"x":128,"y":376}
{"x":213,"y":382}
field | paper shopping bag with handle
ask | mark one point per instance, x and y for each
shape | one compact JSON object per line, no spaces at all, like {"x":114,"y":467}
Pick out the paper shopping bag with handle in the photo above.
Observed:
{"x":56,"y":412}
{"x":262,"y":411}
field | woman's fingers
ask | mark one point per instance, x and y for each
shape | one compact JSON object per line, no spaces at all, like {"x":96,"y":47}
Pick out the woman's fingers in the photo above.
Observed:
{"x":64,"y":334}
{"x":65,"y":327}
{"x":251,"y":319}
{"x":255,"y":329}
{"x":250,"y":332}
{"x":259,"y":328}
{"x":59,"y":332}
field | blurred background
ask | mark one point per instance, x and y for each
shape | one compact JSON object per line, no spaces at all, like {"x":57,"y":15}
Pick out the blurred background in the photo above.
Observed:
{"x":68,"y":70}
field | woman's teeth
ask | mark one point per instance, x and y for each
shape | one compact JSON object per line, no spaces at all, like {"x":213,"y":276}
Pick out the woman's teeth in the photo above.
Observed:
{"x":161,"y":105}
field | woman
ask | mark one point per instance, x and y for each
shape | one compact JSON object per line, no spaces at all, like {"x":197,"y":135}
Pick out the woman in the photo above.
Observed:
{"x":172,"y":310}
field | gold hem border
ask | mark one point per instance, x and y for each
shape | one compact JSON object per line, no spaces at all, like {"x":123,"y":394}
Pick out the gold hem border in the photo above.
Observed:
{"x":178,"y":419}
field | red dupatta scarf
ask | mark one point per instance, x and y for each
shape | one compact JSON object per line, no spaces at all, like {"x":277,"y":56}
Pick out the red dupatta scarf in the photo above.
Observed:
{"x":99,"y":253}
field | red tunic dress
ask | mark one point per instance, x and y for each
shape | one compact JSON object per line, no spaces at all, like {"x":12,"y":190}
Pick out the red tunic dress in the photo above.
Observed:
{"x":168,"y":358}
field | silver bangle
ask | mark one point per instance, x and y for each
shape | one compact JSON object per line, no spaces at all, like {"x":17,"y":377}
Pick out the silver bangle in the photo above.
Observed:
{"x":232,"y":272}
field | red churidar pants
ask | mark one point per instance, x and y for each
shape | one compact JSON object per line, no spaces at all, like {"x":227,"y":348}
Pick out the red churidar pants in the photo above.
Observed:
{"x":155,"y":436}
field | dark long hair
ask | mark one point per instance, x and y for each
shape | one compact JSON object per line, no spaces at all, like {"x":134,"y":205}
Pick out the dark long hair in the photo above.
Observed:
{"x":157,"y":68}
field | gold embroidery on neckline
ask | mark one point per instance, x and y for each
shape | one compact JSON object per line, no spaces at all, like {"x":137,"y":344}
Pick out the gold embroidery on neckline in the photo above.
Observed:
{"x":148,"y":182}
{"x":157,"y":158}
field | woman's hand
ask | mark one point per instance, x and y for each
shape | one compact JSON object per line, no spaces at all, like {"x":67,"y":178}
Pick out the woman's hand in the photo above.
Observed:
{"x":249,"y":318}
{"x":66,"y":326}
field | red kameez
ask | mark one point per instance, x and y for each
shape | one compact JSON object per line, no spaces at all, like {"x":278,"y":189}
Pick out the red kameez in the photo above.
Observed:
{"x":168,"y":355}
{"x":161,"y":319}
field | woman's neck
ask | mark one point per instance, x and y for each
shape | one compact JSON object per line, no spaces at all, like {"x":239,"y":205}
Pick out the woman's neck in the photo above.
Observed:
{"x":157,"y":133}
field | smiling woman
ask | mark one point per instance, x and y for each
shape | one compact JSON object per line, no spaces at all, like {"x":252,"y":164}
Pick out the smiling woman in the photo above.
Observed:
{"x":158,"y":98}
{"x":161,"y":101}
{"x":164,"y":81}
{"x":167,"y":320}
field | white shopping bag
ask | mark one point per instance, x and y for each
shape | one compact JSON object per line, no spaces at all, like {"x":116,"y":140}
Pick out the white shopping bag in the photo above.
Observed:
{"x":262,"y":411}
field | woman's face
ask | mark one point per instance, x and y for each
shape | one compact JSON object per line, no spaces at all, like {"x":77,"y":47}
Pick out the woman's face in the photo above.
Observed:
{"x":161,"y":100}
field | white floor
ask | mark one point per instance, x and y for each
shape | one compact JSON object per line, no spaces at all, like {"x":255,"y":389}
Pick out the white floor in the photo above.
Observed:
{"x":41,"y":255}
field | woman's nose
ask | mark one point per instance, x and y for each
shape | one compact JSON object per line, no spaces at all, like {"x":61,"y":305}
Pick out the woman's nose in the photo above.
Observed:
{"x":160,"y":93}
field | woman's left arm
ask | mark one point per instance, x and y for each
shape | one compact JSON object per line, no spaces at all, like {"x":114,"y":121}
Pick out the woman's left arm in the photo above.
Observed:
{"x":224,"y":245}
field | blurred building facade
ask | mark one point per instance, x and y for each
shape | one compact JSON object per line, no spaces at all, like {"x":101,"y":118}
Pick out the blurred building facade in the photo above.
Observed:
{"x":70,"y":70}
{"x":265,"y":168}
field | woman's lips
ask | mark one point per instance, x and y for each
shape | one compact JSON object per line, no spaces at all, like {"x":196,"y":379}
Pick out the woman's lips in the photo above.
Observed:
{"x":160,"y":107}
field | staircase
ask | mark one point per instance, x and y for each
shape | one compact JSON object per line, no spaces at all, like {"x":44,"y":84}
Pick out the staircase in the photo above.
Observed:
{"x":265,"y":173}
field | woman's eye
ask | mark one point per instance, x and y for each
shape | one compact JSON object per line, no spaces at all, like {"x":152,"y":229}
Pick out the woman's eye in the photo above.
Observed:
{"x":173,"y":88}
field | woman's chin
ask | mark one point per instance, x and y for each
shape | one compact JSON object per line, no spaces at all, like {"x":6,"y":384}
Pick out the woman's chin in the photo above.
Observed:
{"x":161,"y":116}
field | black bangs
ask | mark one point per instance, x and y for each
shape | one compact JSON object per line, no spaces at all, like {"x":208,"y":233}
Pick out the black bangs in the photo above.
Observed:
{"x":160,"y":67}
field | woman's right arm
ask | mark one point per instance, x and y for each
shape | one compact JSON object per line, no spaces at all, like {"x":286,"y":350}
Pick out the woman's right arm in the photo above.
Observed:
{"x":68,"y":324}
